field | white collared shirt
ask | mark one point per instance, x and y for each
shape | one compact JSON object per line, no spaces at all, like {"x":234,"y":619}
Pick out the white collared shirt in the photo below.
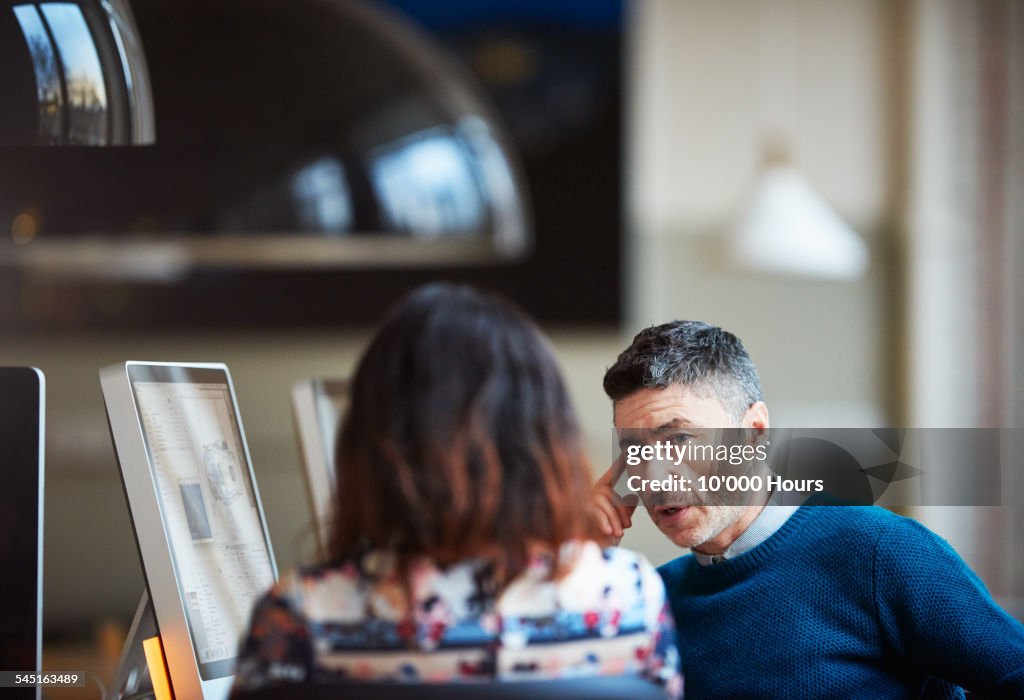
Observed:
{"x":766,"y":524}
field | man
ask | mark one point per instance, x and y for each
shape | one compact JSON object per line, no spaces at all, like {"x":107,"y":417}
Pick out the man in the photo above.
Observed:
{"x":786,"y":601}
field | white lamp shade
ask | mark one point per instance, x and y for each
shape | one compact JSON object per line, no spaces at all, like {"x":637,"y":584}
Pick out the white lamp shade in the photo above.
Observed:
{"x":788,"y":228}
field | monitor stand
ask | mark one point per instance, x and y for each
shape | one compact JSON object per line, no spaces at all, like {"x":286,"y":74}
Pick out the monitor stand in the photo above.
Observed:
{"x":131,"y":679}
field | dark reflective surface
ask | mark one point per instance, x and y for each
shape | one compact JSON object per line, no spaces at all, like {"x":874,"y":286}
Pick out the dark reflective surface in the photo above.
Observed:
{"x":72,"y":73}
{"x":20,"y":524}
{"x":278,"y":123}
{"x":270,"y":117}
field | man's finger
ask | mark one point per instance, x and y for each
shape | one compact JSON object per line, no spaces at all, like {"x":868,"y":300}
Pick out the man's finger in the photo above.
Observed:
{"x":629,"y":503}
{"x":611,"y":513}
{"x":614,"y":472}
{"x":608,"y":513}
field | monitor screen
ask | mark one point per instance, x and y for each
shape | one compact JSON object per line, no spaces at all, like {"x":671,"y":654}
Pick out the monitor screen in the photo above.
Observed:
{"x":331,"y":397}
{"x":318,"y":406}
{"x":208,"y":505}
{"x":21,"y":432}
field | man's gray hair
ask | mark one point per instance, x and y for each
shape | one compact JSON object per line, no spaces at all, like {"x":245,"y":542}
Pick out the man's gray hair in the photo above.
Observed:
{"x":706,"y":359}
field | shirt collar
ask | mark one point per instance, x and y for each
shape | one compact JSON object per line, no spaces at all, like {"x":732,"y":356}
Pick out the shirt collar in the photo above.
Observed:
{"x":766,"y":524}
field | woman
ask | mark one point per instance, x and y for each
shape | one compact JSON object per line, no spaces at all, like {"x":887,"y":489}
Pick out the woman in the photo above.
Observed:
{"x":461,"y":546}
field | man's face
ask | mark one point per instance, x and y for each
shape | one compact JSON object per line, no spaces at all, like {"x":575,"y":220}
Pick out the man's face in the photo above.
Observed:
{"x":676,"y":414}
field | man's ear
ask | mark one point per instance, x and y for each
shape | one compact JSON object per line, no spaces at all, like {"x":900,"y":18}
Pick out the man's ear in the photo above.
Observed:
{"x":756,"y":417}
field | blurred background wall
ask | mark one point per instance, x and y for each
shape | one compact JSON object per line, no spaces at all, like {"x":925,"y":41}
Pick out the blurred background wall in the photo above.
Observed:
{"x":905,"y":116}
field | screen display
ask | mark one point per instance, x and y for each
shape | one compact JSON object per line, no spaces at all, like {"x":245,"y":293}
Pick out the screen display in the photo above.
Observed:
{"x":331,"y":398}
{"x":208,"y":505}
{"x":19,"y":523}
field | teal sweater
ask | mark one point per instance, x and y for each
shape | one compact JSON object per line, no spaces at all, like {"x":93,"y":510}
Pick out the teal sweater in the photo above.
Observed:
{"x":842,"y":602}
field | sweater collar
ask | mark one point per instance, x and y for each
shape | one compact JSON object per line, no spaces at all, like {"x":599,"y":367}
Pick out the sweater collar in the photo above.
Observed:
{"x":751,"y":561}
{"x":766,"y":524}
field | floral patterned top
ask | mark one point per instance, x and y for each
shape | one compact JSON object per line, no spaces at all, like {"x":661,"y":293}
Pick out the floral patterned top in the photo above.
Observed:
{"x":354,"y":621}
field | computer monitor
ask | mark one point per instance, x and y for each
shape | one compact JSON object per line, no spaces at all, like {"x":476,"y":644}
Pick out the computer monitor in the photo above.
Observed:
{"x":22,"y":410}
{"x":194,"y":504}
{"x":317,"y":408}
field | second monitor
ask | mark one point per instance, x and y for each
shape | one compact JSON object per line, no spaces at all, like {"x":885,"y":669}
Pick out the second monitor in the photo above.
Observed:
{"x":317,"y":407}
{"x":196,"y":510}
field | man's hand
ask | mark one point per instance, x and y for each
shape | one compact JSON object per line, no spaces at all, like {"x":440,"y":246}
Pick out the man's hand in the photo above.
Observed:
{"x":614,"y":512}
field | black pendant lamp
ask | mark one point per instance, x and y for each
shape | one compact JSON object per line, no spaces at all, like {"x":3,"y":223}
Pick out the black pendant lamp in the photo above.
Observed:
{"x":298,"y":133}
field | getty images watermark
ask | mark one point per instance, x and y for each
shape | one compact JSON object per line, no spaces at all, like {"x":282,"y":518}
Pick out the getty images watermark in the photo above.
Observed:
{"x":852,"y":466}
{"x":676,"y":455}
